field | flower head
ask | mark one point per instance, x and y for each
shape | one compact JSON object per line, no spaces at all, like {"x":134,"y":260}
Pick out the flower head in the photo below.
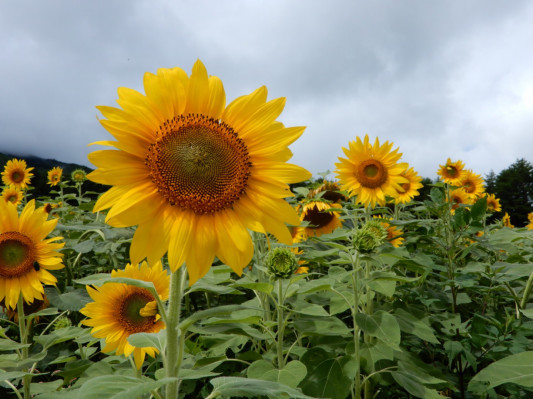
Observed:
{"x":472,"y":184}
{"x":321,"y":217}
{"x":26,"y":255}
{"x":194,"y":173}
{"x":393,"y":232}
{"x":370,"y":172}
{"x":281,"y":262}
{"x":16,"y":173}
{"x":329,"y":191}
{"x":369,"y":237}
{"x":409,"y":187}
{"x":78,"y":176}
{"x":54,"y":176}
{"x":506,"y":221}
{"x":452,"y":172}
{"x":12,"y":194}
{"x":458,"y":197}
{"x":493,"y":203}
{"x":530,"y":218}
{"x":118,"y":310}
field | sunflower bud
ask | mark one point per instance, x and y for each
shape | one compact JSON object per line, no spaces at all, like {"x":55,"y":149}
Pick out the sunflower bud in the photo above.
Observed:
{"x":281,"y":262}
{"x":78,"y":176}
{"x":369,"y":237}
{"x":62,"y":322}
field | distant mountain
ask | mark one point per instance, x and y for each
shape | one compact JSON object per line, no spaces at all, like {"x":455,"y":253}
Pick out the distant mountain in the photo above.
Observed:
{"x":40,"y":173}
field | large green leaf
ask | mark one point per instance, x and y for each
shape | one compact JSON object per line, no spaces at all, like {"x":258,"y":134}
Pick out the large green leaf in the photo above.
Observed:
{"x":327,"y":374}
{"x":290,"y":375}
{"x":515,"y":369}
{"x":411,"y":324}
{"x":381,"y":325}
{"x":119,"y":387}
{"x":252,"y":388}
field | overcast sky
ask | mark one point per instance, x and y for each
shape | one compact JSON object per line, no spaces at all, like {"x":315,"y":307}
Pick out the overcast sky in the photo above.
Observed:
{"x":438,"y":78}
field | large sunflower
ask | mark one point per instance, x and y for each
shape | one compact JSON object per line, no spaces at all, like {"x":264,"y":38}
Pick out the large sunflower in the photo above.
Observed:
{"x":493,"y":203}
{"x":12,"y":194}
{"x":371,"y":171}
{"x":17,"y":173}
{"x":452,"y":172}
{"x":54,"y":176}
{"x":119,"y":310}
{"x":26,"y":255}
{"x":195,"y":174}
{"x":472,"y":183}
{"x":410,"y":187}
{"x":321,"y":217}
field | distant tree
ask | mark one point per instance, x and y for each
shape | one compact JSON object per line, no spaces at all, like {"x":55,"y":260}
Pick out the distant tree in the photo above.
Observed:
{"x":424,"y":191}
{"x":490,"y":182}
{"x":514,"y":188}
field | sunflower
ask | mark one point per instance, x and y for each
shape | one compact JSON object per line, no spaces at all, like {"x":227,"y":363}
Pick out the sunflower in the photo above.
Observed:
{"x":25,"y":255}
{"x":17,"y":173}
{"x":530,"y":218}
{"x":472,"y":183}
{"x":458,"y":197}
{"x":321,"y":218}
{"x":12,"y":194}
{"x":195,"y":174}
{"x":370,"y":172}
{"x":330,"y":192}
{"x":410,"y":187}
{"x":54,"y":176}
{"x":506,"y":221}
{"x":120,"y":310}
{"x":493,"y":203}
{"x":78,"y":176}
{"x":393,"y":232}
{"x":452,"y":172}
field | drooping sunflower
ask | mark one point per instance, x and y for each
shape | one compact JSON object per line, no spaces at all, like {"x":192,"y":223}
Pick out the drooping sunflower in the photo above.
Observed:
{"x":120,"y":310}
{"x":458,"y":197}
{"x":506,"y":221}
{"x":78,"y":176}
{"x":493,"y":203}
{"x":16,"y":173}
{"x":26,"y":255}
{"x":393,"y":232}
{"x":54,"y":176}
{"x":452,"y":172}
{"x":321,"y":217}
{"x":194,"y":173}
{"x":370,"y":172}
{"x":410,"y":187}
{"x":472,"y":183}
{"x":329,"y":190}
{"x":12,"y":194}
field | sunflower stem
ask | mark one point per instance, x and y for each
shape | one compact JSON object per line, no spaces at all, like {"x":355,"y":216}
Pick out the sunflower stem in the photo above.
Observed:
{"x":279,"y":340}
{"x":175,"y":341}
{"x":356,"y":330}
{"x":23,"y":328}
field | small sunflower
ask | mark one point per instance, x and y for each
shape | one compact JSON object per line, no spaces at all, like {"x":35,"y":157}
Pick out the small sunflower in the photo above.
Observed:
{"x":370,"y":172}
{"x":472,"y":183}
{"x":393,"y":232}
{"x":322,"y":220}
{"x":506,"y":220}
{"x":78,"y":176}
{"x":410,"y":187}
{"x":12,"y":194}
{"x":26,"y":255}
{"x":493,"y":203}
{"x":120,"y":310}
{"x":452,"y":172}
{"x":17,"y":173}
{"x":196,"y":174}
{"x":458,"y":197}
{"x":54,"y":176}
{"x":330,"y":192}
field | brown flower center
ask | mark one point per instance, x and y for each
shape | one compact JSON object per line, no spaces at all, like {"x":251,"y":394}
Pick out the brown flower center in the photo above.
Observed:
{"x":451,"y":171}
{"x":371,"y":173}
{"x":17,"y":176}
{"x":469,"y":186}
{"x":317,"y":218}
{"x":17,"y":254}
{"x":199,"y":163}
{"x":406,"y":187}
{"x":129,"y":308}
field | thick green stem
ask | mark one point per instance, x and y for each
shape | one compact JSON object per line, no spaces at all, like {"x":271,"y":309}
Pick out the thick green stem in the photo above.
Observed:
{"x":279,"y":340}
{"x":175,"y":342}
{"x":356,"y":330}
{"x":369,"y":309}
{"x":24,"y":330}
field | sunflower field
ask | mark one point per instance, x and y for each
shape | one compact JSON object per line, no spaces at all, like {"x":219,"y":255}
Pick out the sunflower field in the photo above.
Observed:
{"x":213,"y":268}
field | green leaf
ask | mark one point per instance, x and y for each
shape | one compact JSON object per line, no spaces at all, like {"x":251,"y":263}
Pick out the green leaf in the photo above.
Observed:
{"x":261,"y":287}
{"x":382,"y":286}
{"x":479,"y":208}
{"x":410,"y":324}
{"x":84,"y":246}
{"x":307,"y":308}
{"x":406,"y":381}
{"x":72,"y":300}
{"x":381,"y":325}
{"x":515,"y":369}
{"x":9,"y":345}
{"x":59,"y":336}
{"x":212,"y":312}
{"x":119,"y":387}
{"x":326,"y":374}
{"x":97,"y":279}
{"x":149,"y":340}
{"x":323,"y":326}
{"x":74,"y":369}
{"x":252,"y":388}
{"x":290,"y":375}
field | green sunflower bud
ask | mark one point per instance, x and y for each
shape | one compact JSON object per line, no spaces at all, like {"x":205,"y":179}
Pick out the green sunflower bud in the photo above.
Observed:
{"x":62,"y":322}
{"x":281,"y":262}
{"x":370,"y":237}
{"x":78,"y":176}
